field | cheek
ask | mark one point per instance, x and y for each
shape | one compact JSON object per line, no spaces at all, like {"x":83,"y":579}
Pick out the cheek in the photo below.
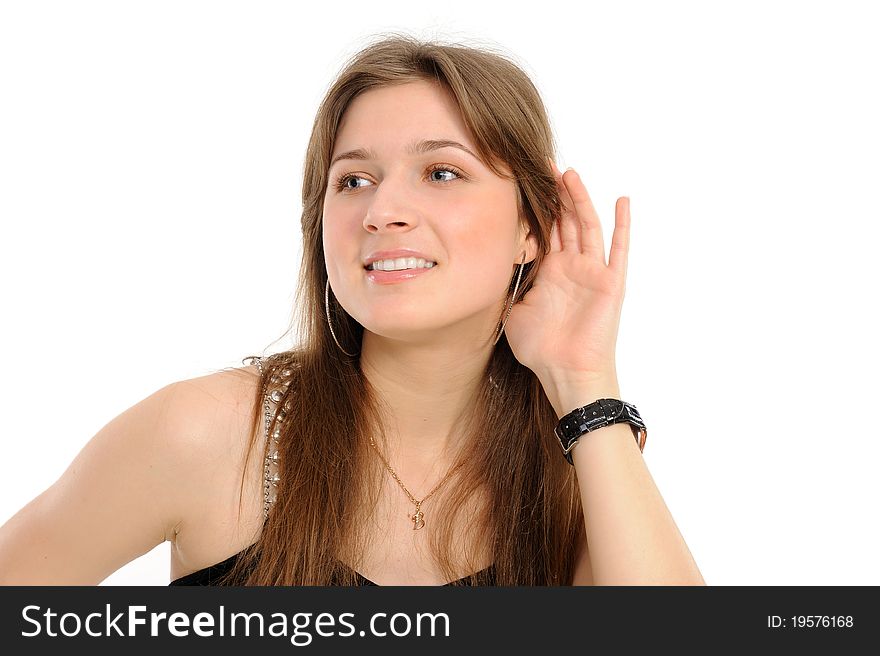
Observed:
{"x":479,"y":267}
{"x":341,"y":258}
{"x":481,"y":241}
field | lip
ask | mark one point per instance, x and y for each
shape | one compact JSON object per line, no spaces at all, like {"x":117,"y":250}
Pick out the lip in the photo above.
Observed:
{"x":396,"y":253}
{"x":393,"y":277}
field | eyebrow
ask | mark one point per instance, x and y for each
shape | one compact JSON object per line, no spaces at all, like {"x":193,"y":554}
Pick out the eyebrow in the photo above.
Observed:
{"x":416,"y":148}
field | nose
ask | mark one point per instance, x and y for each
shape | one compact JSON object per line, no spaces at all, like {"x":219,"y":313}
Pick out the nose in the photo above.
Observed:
{"x":386,"y":223}
{"x":391,"y":208}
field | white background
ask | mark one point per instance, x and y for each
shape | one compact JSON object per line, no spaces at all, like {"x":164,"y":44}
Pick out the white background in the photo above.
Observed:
{"x":150,"y":163}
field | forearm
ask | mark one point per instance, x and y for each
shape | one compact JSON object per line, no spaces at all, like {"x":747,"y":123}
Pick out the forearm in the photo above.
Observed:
{"x":632,"y":537}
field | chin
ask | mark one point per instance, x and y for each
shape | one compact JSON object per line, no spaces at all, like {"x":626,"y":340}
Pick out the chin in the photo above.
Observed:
{"x":401,"y":330}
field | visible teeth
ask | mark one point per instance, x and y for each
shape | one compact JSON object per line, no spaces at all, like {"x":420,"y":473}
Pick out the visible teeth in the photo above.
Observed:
{"x":401,"y":263}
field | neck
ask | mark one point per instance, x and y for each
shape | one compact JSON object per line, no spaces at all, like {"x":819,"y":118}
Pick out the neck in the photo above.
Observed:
{"x":424,"y":391}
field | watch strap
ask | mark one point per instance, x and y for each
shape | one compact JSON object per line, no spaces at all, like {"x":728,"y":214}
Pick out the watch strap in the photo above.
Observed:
{"x":598,"y":414}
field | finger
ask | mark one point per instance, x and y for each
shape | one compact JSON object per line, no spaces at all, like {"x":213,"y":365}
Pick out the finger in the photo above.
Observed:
{"x":619,"y":255}
{"x":568,"y":222}
{"x":555,"y":236}
{"x":587,"y":219}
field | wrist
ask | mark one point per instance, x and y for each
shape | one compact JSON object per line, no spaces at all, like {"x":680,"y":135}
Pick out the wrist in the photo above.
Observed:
{"x":567,"y":392}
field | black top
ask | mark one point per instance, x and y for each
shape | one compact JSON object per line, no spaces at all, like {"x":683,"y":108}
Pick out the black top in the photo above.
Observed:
{"x":210,"y":574}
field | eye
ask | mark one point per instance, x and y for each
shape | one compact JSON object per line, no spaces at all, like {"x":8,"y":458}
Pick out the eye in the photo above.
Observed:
{"x":341,"y":183}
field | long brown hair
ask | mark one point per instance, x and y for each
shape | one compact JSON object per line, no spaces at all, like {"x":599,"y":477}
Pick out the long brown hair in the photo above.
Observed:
{"x":329,"y":479}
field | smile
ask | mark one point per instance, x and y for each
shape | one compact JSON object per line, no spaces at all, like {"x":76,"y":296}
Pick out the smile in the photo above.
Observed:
{"x":392,"y":277}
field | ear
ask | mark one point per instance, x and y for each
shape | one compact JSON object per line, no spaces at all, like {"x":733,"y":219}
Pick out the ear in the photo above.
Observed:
{"x":528,"y":243}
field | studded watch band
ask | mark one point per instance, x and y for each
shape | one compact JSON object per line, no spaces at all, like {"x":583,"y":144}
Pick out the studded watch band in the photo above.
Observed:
{"x":598,"y":414}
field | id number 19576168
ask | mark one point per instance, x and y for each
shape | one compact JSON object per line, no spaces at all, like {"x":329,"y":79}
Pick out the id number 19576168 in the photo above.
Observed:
{"x":810,"y":622}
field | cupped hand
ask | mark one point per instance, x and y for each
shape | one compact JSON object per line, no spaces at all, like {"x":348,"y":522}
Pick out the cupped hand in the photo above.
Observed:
{"x":567,"y":323}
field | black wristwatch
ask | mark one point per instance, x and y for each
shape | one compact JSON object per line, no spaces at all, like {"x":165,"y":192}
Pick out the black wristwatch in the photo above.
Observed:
{"x":603,"y":412}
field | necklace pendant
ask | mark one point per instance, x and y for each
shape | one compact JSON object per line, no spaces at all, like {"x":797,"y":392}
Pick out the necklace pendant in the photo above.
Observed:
{"x":418,"y":520}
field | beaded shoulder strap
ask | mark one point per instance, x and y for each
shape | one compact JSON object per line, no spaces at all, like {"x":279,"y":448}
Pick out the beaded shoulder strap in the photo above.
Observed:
{"x":275,"y":389}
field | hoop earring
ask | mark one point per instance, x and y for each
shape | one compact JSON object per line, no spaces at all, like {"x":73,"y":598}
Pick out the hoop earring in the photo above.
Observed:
{"x":510,"y":306}
{"x":330,"y":323}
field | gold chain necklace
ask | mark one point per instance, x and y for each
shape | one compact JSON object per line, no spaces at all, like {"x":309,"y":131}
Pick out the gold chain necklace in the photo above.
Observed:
{"x":418,"y":519}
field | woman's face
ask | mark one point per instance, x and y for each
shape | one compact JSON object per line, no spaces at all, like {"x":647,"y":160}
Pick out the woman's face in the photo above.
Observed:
{"x":464,"y":219}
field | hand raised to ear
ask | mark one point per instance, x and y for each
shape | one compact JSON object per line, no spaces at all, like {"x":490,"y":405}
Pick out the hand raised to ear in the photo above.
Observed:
{"x":568,"y":321}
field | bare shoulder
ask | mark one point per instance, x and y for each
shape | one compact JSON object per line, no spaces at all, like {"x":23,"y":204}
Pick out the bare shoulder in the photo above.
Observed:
{"x":218,"y":401}
{"x":170,"y":461}
{"x":213,"y":419}
{"x":232,"y":387}
{"x":220,"y":501}
{"x":206,"y":423}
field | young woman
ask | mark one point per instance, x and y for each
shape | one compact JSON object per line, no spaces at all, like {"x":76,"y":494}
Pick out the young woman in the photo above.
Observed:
{"x":455,"y":305}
